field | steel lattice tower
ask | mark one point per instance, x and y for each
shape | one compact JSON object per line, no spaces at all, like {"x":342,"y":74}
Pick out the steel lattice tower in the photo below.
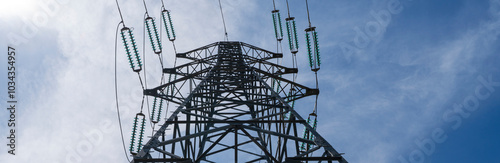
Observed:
{"x":238,"y":109}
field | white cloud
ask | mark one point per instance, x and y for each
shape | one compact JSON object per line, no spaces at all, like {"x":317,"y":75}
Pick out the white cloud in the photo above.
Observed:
{"x":384,"y":108}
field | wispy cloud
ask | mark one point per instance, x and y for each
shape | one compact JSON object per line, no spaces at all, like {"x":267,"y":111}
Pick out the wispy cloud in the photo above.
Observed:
{"x":381,"y":106}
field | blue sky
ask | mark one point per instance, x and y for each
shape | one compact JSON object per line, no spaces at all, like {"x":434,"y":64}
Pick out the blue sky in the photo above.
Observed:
{"x":387,"y":85}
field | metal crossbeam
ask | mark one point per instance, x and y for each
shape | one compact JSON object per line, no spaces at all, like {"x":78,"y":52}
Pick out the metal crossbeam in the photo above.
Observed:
{"x":230,"y":110}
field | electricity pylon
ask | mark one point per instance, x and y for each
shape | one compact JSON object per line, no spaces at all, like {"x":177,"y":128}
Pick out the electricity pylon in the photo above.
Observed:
{"x":238,"y":109}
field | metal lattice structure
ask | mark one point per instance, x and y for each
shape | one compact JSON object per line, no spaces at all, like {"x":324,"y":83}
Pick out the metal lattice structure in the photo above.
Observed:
{"x":234,"y":105}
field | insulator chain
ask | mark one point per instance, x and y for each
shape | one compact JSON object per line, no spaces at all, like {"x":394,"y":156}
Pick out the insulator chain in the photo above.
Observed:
{"x":291,"y":29}
{"x":313,"y":48}
{"x":154,"y":38}
{"x":307,"y":134}
{"x":169,"y":26}
{"x":129,"y":42}
{"x":156,"y":111}
{"x":135,"y":62}
{"x":138,"y":128}
{"x":278,"y":28}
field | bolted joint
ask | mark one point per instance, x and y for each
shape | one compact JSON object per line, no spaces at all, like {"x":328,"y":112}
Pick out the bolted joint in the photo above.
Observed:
{"x":291,"y":70}
{"x":181,"y":55}
{"x":310,"y":29}
{"x":169,"y":71}
{"x":277,"y":55}
{"x":290,"y":18}
{"x":312,"y":92}
{"x":150,"y":92}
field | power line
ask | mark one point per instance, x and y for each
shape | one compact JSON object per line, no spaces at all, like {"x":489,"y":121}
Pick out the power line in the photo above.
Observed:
{"x":223,"y":21}
{"x":308,"y":17}
{"x":144,"y":2}
{"x":287,"y":8}
{"x":175,"y":50}
{"x":274,"y":5}
{"x":144,"y":60}
{"x":120,"y":11}
{"x":116,"y":93}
